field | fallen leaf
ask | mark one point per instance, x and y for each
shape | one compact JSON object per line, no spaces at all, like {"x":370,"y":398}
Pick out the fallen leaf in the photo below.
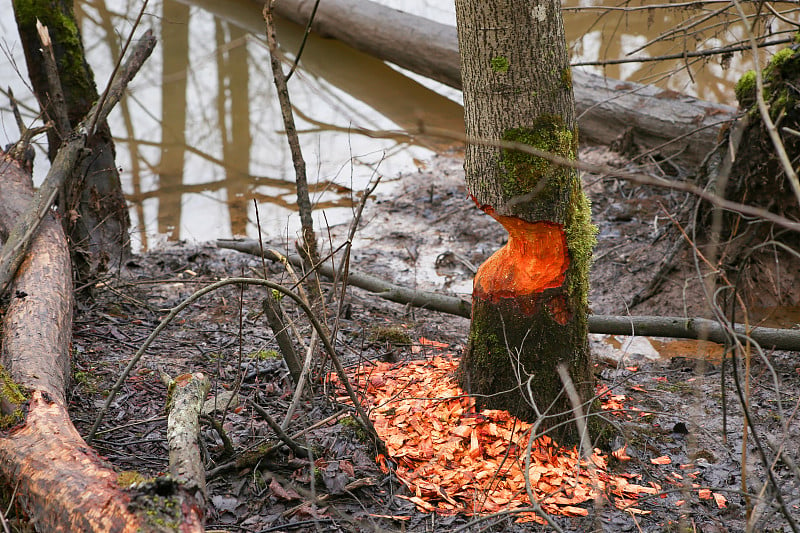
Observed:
{"x":280,"y":492}
{"x":663,"y":460}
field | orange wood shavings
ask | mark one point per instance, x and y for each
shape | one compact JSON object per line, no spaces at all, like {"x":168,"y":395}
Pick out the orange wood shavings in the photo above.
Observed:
{"x":454,"y":459}
{"x":535,"y":258}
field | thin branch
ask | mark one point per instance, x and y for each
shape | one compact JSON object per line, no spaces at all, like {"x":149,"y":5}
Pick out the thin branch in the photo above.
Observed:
{"x":677,"y":327}
{"x":303,"y":43}
{"x":303,"y":200}
{"x":682,"y":55}
{"x":298,"y":450}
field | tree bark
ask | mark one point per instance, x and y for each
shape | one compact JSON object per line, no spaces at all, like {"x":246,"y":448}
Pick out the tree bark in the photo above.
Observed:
{"x":529,"y":302}
{"x":96,"y":216}
{"x":62,"y":484}
{"x":607,"y":108}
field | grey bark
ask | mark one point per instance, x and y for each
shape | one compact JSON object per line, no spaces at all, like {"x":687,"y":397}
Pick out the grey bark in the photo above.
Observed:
{"x":513,"y":65}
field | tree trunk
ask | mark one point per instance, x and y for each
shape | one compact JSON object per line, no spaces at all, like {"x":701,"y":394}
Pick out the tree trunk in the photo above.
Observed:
{"x":529,"y":313}
{"x":96,"y":216}
{"x":608,"y":108}
{"x":62,"y":484}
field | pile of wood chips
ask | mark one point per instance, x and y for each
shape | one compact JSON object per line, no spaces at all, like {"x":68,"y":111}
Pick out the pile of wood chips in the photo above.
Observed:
{"x":454,"y":459}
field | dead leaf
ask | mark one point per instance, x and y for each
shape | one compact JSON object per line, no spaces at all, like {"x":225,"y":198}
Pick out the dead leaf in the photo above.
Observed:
{"x":280,"y":492}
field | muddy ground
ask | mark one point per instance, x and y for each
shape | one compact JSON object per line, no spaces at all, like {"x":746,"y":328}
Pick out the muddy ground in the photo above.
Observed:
{"x":428,"y":235}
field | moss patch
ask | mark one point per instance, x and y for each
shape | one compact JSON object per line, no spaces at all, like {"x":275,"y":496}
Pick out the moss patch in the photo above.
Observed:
{"x":745,"y":89}
{"x":128,"y":478}
{"x":566,"y":78}
{"x":264,"y":355}
{"x":499,"y":64}
{"x":395,"y":335}
{"x":542,"y":182}
{"x":784,"y":66}
{"x":581,"y":240}
{"x":12,"y":400}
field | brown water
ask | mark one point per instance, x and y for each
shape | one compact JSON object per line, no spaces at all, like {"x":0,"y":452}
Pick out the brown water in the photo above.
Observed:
{"x":200,"y":137}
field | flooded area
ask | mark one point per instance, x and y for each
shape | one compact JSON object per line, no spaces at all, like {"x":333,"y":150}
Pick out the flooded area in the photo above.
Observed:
{"x":199,"y":138}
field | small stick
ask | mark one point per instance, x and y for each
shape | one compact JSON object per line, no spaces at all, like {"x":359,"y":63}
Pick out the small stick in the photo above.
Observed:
{"x":298,"y":450}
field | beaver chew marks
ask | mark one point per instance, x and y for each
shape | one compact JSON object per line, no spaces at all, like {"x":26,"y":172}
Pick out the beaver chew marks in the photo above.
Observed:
{"x":534,"y":259}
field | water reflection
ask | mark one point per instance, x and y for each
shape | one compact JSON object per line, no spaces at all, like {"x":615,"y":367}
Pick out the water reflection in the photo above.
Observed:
{"x":199,"y":135}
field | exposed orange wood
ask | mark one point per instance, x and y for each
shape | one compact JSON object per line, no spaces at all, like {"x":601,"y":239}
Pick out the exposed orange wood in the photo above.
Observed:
{"x":535,"y":258}
{"x":63,"y":482}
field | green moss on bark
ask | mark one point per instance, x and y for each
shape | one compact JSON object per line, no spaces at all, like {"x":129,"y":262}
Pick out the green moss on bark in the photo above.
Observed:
{"x":745,"y":89}
{"x":499,"y":64}
{"x":581,"y":239}
{"x":783,"y":67}
{"x":566,"y":78}
{"x":12,"y":401}
{"x":58,"y":16}
{"x":535,"y":179}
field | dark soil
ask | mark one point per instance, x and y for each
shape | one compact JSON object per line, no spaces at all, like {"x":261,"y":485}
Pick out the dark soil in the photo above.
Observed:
{"x":426,"y":234}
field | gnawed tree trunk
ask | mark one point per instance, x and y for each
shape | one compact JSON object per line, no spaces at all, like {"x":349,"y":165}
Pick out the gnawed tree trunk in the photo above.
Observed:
{"x":96,"y":216}
{"x":608,"y":108}
{"x":62,"y":484}
{"x":529,"y":310}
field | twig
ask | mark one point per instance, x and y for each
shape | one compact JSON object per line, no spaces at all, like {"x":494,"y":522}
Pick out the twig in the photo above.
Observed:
{"x":298,"y":450}
{"x":108,"y":93}
{"x":641,"y":179}
{"x":238,"y":463}
{"x":303,"y":201}
{"x":353,"y":485}
{"x":388,"y":291}
{"x":681,"y":55}
{"x":303,"y":43}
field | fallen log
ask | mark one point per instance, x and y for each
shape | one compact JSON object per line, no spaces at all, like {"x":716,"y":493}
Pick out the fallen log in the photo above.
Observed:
{"x":649,"y":326}
{"x":186,"y":398}
{"x":60,"y":482}
{"x":666,"y":121}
